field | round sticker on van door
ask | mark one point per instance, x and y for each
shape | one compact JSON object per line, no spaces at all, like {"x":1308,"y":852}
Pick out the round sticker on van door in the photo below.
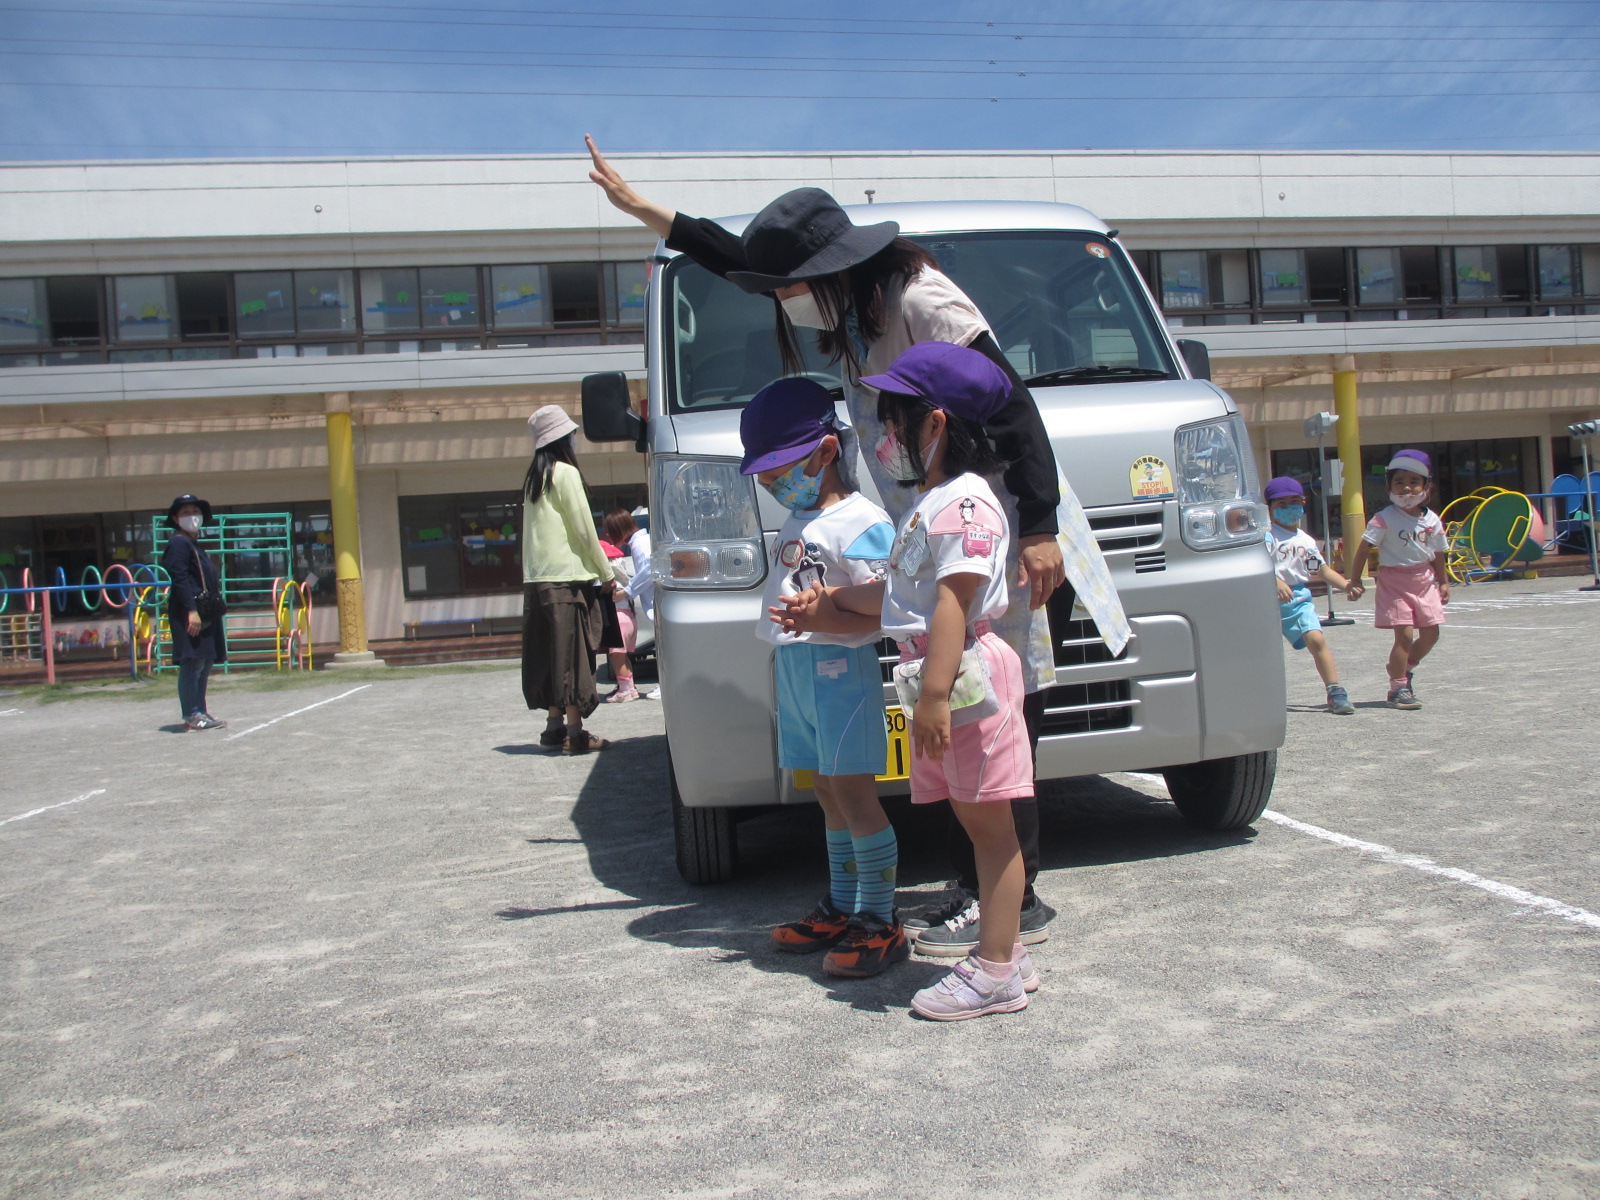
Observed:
{"x":1151,"y":478}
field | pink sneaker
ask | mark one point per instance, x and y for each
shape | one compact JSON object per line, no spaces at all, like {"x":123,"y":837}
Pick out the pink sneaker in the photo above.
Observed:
{"x":623,"y":695}
{"x":968,"y":991}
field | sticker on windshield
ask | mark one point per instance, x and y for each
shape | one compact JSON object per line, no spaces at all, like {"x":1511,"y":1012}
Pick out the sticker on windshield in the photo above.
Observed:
{"x":1151,"y":478}
{"x":1096,"y":249}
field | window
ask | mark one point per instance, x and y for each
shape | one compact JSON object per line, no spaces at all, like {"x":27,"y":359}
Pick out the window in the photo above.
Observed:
{"x":1283,"y":277}
{"x":74,"y":305}
{"x":575,"y":293}
{"x":144,"y":308}
{"x":456,"y":545}
{"x":520,"y":298}
{"x":24,"y":313}
{"x":1555,"y":272}
{"x":389,"y":302}
{"x":1379,"y":278}
{"x":325,"y":302}
{"x":202,"y":306}
{"x":1490,"y":273}
{"x":1185,"y":281}
{"x":450,"y":298}
{"x":625,"y":292}
{"x":264,"y":303}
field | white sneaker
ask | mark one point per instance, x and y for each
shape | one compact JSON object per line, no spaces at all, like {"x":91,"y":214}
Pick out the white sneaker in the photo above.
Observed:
{"x":969,"y":991}
{"x":653,"y":695}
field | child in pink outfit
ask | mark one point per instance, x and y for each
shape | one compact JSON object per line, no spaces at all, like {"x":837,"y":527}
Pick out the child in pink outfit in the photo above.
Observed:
{"x":1413,"y":587}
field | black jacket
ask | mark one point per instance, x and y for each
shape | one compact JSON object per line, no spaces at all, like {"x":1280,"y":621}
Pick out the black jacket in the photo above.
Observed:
{"x":1017,"y":430}
{"x":191,"y":571}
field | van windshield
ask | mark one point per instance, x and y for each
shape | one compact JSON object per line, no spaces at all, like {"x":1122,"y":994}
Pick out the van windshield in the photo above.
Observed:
{"x":1063,"y":305}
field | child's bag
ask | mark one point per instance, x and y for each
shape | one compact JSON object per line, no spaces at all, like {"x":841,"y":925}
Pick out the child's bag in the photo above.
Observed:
{"x":972,"y":696}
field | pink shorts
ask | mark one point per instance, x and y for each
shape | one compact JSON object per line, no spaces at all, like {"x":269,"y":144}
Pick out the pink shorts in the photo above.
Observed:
{"x":1407,"y":596}
{"x":988,"y":759}
{"x":630,"y":635}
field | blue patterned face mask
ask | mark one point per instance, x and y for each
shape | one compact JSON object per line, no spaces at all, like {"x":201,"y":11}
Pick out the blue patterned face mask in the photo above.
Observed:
{"x":796,"y":490}
{"x":1289,"y":515}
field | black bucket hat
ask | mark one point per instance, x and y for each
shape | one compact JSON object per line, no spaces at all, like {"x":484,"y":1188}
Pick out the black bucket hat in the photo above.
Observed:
{"x":203,"y":505}
{"x":804,"y":234}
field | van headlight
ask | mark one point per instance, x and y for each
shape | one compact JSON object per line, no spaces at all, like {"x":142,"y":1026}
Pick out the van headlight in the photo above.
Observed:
{"x":705,"y":530}
{"x":1216,"y":479}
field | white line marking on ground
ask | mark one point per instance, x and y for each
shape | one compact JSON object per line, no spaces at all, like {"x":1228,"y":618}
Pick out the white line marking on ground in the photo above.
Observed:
{"x":35,"y":812}
{"x":297,"y":712}
{"x":1505,"y":891}
{"x":11,"y":712}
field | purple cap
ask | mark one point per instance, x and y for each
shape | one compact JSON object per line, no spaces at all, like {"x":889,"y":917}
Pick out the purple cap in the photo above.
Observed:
{"x":961,"y":381}
{"x":1281,"y":487}
{"x":1416,"y":461}
{"x":783,"y":423}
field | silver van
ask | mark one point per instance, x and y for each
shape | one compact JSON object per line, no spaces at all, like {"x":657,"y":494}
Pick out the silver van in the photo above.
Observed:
{"x":1157,"y":454}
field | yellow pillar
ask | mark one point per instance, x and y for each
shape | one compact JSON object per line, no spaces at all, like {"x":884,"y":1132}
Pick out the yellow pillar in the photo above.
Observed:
{"x":1353,"y":506}
{"x":346,"y":536}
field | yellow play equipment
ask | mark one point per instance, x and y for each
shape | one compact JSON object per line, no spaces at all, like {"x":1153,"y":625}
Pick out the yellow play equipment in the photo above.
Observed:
{"x":1494,"y":533}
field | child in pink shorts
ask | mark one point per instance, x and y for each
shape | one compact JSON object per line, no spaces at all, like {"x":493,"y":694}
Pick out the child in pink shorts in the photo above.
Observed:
{"x":1413,"y":587}
{"x":947,"y":580}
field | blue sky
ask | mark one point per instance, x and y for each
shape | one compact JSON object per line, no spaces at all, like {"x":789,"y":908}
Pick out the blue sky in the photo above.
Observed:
{"x":91,"y":79}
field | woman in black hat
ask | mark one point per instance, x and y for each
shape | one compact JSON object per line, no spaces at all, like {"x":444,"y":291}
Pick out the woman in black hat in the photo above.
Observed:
{"x":872,"y":295}
{"x":197,"y":642}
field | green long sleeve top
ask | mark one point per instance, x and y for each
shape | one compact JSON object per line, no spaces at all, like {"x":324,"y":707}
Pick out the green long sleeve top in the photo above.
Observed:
{"x":559,"y":544}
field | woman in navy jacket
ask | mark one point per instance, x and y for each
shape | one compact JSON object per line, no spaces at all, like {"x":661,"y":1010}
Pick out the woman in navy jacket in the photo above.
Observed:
{"x":197,"y":645}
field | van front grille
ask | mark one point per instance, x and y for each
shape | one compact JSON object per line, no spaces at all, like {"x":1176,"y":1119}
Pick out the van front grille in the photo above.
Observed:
{"x":1128,"y":528}
{"x":1146,"y":561}
{"x":1087,"y":707}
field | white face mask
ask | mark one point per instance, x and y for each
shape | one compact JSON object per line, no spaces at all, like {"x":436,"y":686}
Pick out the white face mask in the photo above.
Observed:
{"x":190,"y":522}
{"x":1399,"y":501}
{"x":804,"y":311}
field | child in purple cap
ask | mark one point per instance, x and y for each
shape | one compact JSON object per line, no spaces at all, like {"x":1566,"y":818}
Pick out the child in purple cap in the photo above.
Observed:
{"x":947,"y":581}
{"x":1295,"y":559}
{"x":829,"y":685}
{"x":1413,"y":587}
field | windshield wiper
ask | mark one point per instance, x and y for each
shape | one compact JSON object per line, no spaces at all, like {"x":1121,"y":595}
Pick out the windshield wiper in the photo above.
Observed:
{"x":1095,"y":374}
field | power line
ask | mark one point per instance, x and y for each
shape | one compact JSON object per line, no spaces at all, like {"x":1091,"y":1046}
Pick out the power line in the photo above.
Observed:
{"x":426,"y":93}
{"x":456,"y":22}
{"x":565,"y":61}
{"x":1491,"y":65}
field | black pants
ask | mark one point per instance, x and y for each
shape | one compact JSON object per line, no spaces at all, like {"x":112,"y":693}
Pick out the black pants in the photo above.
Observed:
{"x":1025,"y":813}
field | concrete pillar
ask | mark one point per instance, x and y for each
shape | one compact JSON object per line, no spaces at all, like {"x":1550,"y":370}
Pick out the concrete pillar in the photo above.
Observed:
{"x":1353,"y":506}
{"x":353,"y":650}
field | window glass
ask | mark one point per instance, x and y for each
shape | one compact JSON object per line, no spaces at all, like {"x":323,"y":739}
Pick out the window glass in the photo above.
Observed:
{"x":389,"y":301}
{"x":202,"y":306}
{"x":575,"y":293}
{"x":141,"y":356}
{"x":1283,"y":277}
{"x":1589,"y":266}
{"x":1230,"y":278}
{"x":144,"y":308}
{"x":1378,"y":278}
{"x":74,"y":303}
{"x":520,"y":299}
{"x":625,"y":291}
{"x":324,"y":349}
{"x":24,"y":313}
{"x":264,"y":302}
{"x":1419,"y":269}
{"x":1476,"y":273}
{"x":450,"y":297}
{"x":1325,"y":277}
{"x":313,"y":549}
{"x":452,"y":545}
{"x":1555,"y":272}
{"x":325,"y":301}
{"x":1185,"y":280}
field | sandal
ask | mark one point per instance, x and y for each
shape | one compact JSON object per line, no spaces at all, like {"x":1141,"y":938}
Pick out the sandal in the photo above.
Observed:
{"x":583,"y":741}
{"x":554,"y":736}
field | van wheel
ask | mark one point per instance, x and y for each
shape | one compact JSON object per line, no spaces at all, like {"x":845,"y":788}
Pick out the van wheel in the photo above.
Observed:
{"x":1224,"y":793}
{"x":706,"y":839}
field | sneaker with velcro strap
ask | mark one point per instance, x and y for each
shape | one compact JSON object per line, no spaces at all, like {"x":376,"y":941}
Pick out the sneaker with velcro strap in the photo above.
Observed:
{"x":819,"y":929}
{"x":868,"y":946}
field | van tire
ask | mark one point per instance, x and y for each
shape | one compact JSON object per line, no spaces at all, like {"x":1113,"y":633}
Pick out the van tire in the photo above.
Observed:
{"x":1224,"y":793}
{"x":707,"y":841}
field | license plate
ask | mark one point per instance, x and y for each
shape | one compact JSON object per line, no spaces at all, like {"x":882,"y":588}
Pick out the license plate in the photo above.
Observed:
{"x":898,"y":765}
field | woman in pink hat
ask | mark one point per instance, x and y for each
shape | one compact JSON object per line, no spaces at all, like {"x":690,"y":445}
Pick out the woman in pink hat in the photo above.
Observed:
{"x":562,"y":563}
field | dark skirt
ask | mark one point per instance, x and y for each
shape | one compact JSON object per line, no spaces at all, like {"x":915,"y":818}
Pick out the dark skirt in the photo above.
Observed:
{"x":560,"y":632}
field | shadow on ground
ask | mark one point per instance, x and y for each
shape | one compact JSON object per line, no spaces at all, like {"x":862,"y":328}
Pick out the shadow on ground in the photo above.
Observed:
{"x":624,"y":820}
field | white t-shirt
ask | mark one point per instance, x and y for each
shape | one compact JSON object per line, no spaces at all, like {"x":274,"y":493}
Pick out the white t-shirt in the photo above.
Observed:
{"x":846,"y":544}
{"x":957,"y":528}
{"x":1295,"y":555}
{"x":930,"y":308}
{"x":1406,"y":541}
{"x":642,"y":587}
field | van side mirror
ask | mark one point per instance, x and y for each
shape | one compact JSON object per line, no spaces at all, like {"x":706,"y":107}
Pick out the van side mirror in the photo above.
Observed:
{"x":608,"y":414}
{"x":1196,"y":356}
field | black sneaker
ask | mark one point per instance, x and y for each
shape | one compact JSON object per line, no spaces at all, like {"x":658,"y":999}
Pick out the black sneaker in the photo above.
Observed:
{"x":957,"y":936}
{"x":1404,"y":697}
{"x":868,"y":946}
{"x":957,"y":901}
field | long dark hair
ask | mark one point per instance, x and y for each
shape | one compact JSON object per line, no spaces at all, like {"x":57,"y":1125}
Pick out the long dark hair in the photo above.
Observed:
{"x":864,"y":288}
{"x":619,"y":526}
{"x":544,"y":463}
{"x":967,"y":446}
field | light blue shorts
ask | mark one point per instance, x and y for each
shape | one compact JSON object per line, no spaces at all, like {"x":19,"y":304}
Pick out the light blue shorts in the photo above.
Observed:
{"x":1299,"y":618}
{"x":830,"y":709}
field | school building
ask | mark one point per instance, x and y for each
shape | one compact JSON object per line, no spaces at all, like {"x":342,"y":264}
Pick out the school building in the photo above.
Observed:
{"x":169,"y":327}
